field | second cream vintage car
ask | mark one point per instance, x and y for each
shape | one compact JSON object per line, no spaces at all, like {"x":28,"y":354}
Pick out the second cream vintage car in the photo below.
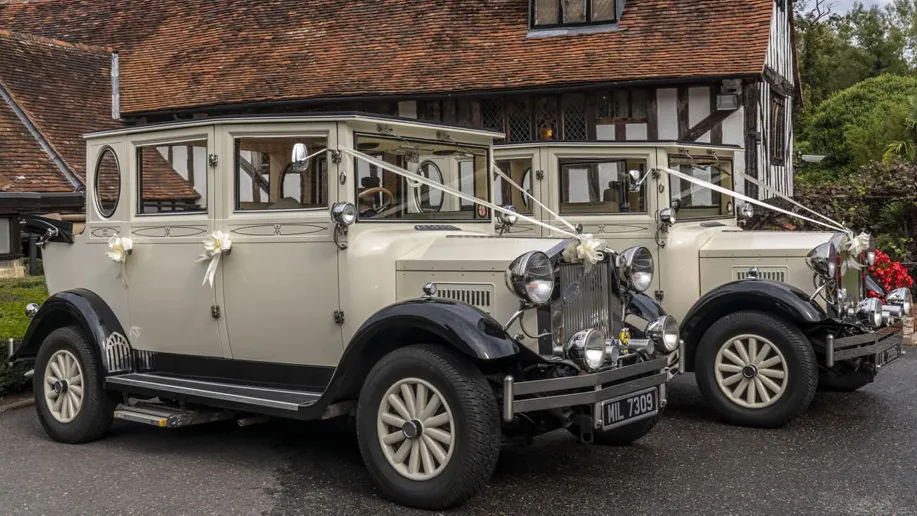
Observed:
{"x":766,"y":316}
{"x":309,"y":268}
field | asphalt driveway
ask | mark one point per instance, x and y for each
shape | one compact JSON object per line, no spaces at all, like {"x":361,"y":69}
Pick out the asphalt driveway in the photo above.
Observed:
{"x":851,"y":454}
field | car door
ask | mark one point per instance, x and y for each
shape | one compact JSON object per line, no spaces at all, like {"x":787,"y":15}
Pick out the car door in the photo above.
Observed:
{"x":171,"y":214}
{"x":523,"y":166}
{"x":280,"y":282}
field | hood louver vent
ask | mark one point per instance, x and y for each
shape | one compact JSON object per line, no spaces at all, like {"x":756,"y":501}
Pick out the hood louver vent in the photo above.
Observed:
{"x":478,"y":295}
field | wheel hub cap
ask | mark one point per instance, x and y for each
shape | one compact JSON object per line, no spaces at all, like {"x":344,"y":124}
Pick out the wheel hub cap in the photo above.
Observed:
{"x":416,"y":429}
{"x":63,"y":386}
{"x":412,"y":429}
{"x":751,"y":371}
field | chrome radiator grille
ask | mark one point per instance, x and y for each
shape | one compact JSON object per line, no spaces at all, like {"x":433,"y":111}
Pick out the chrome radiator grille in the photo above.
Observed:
{"x":586,"y":298}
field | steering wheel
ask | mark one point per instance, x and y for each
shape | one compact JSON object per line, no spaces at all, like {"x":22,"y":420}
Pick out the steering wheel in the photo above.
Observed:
{"x":385,"y":193}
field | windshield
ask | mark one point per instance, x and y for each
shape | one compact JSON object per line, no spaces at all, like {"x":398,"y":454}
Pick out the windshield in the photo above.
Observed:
{"x":384,"y":195}
{"x":695,"y":201}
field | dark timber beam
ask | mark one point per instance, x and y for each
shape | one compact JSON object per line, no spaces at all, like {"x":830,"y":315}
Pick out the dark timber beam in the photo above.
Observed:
{"x":711,"y":121}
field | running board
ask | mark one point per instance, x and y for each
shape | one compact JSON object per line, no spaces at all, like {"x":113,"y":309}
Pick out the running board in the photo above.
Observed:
{"x":235,"y":395}
{"x":167,"y":416}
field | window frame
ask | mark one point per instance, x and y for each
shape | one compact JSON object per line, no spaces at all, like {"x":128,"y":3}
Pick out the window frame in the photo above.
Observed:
{"x":138,"y":173}
{"x":235,"y":171}
{"x":590,"y":160}
{"x":95,"y":182}
{"x":560,"y":10}
{"x":778,"y":133}
{"x":488,"y":151}
{"x":709,"y":160}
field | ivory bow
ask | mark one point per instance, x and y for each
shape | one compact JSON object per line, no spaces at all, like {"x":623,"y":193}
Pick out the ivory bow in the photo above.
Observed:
{"x":586,"y":249}
{"x":217,"y":244}
{"x":853,"y":248}
{"x":119,"y":248}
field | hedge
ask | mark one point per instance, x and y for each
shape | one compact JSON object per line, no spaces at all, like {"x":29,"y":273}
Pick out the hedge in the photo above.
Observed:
{"x":15,"y":294}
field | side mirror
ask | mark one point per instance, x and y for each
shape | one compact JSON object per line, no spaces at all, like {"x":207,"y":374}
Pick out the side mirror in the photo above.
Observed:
{"x":745,"y":212}
{"x":300,"y":157}
{"x":506,"y":220}
{"x":343,"y":214}
{"x":637,"y":179}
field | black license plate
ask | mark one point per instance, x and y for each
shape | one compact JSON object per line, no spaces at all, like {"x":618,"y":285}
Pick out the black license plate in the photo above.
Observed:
{"x":632,"y":407}
{"x":886,"y":356}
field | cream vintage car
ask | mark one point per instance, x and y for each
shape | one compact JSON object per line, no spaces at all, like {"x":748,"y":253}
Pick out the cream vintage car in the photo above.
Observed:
{"x":310,"y":268}
{"x":765,"y":316}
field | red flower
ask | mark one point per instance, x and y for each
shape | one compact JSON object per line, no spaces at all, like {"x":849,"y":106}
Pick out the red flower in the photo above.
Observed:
{"x":889,"y":274}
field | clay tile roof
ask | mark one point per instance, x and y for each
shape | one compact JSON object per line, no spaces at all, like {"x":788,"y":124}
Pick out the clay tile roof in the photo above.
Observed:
{"x":192,"y":53}
{"x":64,"y":90}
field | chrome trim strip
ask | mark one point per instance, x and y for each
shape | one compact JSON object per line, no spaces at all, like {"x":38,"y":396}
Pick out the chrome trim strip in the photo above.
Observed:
{"x":588,"y":397}
{"x":588,"y":380}
{"x":845,"y":354}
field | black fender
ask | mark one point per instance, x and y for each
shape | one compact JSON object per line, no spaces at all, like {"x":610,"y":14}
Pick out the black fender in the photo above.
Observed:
{"x":780,"y":299}
{"x":81,"y":308}
{"x":459,"y":326}
{"x":645,"y":307}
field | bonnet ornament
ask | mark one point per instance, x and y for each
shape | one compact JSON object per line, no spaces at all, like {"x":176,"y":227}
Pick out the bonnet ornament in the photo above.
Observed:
{"x":119,"y":248}
{"x":216,"y":245}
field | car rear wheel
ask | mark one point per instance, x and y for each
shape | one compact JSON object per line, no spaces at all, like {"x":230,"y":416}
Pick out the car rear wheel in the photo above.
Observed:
{"x":71,"y":403}
{"x":756,"y":369}
{"x":428,"y":427}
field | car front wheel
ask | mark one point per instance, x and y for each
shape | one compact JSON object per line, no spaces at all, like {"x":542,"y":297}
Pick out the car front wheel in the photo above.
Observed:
{"x":756,"y":369}
{"x":428,"y":427}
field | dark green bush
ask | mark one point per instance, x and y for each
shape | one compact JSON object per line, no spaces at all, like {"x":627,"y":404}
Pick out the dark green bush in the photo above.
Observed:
{"x":14,"y":295}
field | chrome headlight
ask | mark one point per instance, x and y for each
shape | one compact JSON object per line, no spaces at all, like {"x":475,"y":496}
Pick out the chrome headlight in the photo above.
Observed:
{"x":531,"y":277}
{"x":901,"y":297}
{"x":588,"y":349}
{"x":343,"y":213}
{"x":664,"y":332}
{"x":823,"y":260}
{"x":635,"y":265}
{"x":869,"y":312}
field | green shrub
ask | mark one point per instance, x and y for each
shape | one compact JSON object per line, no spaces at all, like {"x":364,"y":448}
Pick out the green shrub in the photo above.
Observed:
{"x":15,"y":294}
{"x":853,"y":127}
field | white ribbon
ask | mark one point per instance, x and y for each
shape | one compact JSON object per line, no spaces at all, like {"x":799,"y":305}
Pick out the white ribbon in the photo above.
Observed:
{"x":589,"y":253}
{"x":853,"y":248}
{"x":499,"y":172}
{"x":836,"y":225}
{"x":215,"y":246}
{"x":736,"y":195}
{"x":119,"y":248}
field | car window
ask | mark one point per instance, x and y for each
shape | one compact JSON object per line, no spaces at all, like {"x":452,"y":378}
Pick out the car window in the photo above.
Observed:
{"x":384,"y":195}
{"x":694,"y":201}
{"x":172,"y":177}
{"x":520,"y":171}
{"x":267,"y":178}
{"x":600,"y":186}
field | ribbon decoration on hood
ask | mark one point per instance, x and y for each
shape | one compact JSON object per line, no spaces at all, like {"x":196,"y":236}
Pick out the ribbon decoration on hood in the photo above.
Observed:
{"x":119,"y":248}
{"x":852,"y":248}
{"x":837,"y":225}
{"x":592,"y":252}
{"x":216,"y":245}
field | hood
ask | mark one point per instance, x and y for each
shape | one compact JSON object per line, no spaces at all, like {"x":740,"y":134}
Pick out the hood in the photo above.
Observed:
{"x":474,"y":253}
{"x":782,"y":244}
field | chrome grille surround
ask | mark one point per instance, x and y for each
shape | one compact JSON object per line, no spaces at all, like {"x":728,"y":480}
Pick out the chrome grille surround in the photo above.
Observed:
{"x":581,"y":300}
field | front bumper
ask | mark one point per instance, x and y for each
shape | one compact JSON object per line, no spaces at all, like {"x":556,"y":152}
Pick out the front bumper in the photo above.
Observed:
{"x":588,"y":389}
{"x":867,"y":344}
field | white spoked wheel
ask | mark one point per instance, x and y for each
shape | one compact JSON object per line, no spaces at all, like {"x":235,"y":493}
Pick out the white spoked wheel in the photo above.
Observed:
{"x":751,"y":371}
{"x":416,"y":429}
{"x":64,"y":386}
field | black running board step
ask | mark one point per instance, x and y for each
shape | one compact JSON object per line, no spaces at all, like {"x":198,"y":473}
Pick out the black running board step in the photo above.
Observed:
{"x":279,"y":399}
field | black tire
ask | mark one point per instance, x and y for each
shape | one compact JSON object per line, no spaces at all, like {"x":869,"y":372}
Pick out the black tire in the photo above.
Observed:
{"x":846,"y":377}
{"x":476,"y":426}
{"x":621,"y":436}
{"x":800,"y":362}
{"x":97,"y":411}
